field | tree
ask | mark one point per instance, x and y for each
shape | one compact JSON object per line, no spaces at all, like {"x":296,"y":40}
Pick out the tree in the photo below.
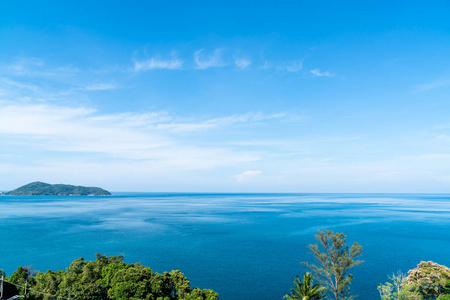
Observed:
{"x":397,"y":290}
{"x":135,"y":282}
{"x":105,"y":278}
{"x":304,"y":290}
{"x":430,"y":279}
{"x":23,"y":276}
{"x":205,"y":294}
{"x":334,"y":262}
{"x":447,"y":287}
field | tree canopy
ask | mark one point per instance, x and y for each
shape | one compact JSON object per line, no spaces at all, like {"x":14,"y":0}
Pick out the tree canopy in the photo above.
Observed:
{"x":333,"y":261}
{"x":305,"y":290}
{"x":430,"y":278}
{"x":105,"y":278}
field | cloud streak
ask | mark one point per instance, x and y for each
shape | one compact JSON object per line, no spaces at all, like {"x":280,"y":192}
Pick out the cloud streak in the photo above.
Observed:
{"x":432,"y":85}
{"x":98,"y":87}
{"x":242,"y":63}
{"x":131,"y":136}
{"x":246,"y":175}
{"x":294,"y":66}
{"x":219,"y":122}
{"x":158,"y":63}
{"x":318,"y":73}
{"x":205,"y":62}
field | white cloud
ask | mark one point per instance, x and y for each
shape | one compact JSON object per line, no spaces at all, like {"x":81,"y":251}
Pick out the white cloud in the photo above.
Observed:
{"x":214,"y":60}
{"x":218,"y":122}
{"x":294,"y":66}
{"x":242,"y":63}
{"x":36,"y":68}
{"x":19,"y":85}
{"x":432,"y":85}
{"x":291,"y":66}
{"x":23,"y":65}
{"x":158,"y":63}
{"x":135,"y":136}
{"x":81,"y":144}
{"x":318,"y":73}
{"x":247,"y":174}
{"x":98,"y":87}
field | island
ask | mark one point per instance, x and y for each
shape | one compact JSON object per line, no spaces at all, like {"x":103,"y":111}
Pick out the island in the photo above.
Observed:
{"x":44,"y":189}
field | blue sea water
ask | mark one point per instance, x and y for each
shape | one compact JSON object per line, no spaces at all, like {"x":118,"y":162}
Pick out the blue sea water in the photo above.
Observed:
{"x":244,"y":246}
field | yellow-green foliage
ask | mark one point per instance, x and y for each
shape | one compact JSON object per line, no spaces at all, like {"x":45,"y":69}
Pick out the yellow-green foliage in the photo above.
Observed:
{"x":397,"y":290}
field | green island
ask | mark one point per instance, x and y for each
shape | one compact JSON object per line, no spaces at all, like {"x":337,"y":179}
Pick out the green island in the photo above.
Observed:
{"x":38,"y":188}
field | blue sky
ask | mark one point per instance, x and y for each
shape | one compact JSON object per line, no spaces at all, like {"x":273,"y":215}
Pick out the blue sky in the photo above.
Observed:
{"x":226,"y":96}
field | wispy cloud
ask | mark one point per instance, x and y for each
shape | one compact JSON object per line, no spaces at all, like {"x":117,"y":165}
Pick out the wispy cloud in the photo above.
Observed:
{"x":242,"y":63}
{"x":246,"y":175}
{"x":34,"y":80}
{"x":294,"y":66}
{"x":132,"y":136}
{"x":318,"y":73}
{"x":26,"y":90}
{"x":23,"y":64}
{"x":432,"y":85}
{"x":157,"y":62}
{"x":219,"y":122}
{"x":98,"y":87}
{"x":205,"y":62}
{"x":19,"y":85}
{"x":34,"y":67}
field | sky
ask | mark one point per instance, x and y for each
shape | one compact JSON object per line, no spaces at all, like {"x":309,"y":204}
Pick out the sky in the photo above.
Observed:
{"x":226,"y":96}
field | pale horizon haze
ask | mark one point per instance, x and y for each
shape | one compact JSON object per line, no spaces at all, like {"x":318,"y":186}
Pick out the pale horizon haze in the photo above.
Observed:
{"x":226,"y":96}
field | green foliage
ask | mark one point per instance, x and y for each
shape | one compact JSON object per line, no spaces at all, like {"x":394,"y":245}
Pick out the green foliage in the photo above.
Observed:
{"x":447,"y":287}
{"x":305,"y":290}
{"x":134,"y":282}
{"x":48,"y":283}
{"x":19,"y":276}
{"x":429,"y":278}
{"x":397,"y":290}
{"x":44,"y":189}
{"x":205,"y":294}
{"x":22,"y":276}
{"x":443,"y":297}
{"x":107,"y":278}
{"x":334,"y":259}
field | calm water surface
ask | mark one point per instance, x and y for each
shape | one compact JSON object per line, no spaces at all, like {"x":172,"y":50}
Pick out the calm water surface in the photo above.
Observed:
{"x":243,"y":246}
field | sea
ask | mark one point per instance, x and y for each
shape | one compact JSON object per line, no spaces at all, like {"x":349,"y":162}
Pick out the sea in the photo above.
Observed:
{"x":243,"y":246}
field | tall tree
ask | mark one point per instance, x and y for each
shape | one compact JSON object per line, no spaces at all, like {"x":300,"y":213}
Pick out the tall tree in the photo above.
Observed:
{"x":333,"y":261}
{"x":305,"y":290}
